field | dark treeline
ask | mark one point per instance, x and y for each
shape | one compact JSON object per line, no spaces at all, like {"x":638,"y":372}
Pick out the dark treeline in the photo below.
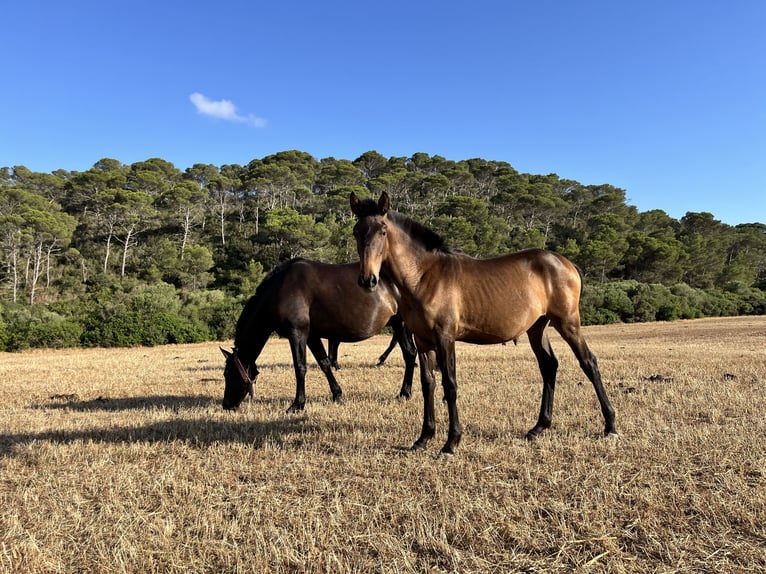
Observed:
{"x":149,"y":254}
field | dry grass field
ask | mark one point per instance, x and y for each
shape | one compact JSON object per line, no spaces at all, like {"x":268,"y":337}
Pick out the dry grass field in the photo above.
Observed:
{"x":123,"y":461}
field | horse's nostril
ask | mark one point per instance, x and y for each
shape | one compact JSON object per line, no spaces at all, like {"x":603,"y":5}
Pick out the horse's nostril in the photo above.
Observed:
{"x":368,"y":283}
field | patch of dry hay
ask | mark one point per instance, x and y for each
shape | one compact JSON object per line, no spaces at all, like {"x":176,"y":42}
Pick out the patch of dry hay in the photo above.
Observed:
{"x":123,"y":461}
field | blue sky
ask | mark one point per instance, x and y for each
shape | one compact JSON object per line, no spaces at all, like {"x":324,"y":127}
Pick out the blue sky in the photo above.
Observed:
{"x":665,"y":99}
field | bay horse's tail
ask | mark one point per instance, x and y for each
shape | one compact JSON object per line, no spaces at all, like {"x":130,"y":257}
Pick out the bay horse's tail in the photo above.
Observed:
{"x":582,"y":277}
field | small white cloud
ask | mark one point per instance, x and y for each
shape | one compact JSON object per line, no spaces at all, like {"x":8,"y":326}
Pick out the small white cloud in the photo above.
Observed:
{"x":223,"y":110}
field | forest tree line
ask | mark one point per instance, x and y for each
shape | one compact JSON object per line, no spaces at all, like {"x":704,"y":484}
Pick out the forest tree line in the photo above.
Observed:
{"x":148,"y":254}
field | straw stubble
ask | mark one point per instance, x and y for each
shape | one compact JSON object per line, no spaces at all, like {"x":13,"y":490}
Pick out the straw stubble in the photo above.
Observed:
{"x":123,"y":461}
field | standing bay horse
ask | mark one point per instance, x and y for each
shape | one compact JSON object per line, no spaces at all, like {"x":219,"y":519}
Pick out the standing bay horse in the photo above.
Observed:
{"x":306,"y":301}
{"x":448,"y":296}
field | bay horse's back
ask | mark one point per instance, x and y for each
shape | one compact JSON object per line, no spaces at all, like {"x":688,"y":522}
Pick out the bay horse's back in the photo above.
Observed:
{"x":502,"y":297}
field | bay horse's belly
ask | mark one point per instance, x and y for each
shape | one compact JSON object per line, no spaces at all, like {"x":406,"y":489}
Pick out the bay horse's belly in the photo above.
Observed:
{"x":499,"y":303}
{"x":494,"y":330}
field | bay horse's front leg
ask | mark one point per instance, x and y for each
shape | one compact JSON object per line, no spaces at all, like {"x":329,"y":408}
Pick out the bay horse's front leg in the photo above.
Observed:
{"x":446,"y":358}
{"x":325,"y":363}
{"x":427,"y":384}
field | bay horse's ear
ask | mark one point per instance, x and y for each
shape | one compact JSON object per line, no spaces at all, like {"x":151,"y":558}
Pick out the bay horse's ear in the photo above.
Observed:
{"x":383,"y":203}
{"x":226,"y":353}
{"x":355,"y":203}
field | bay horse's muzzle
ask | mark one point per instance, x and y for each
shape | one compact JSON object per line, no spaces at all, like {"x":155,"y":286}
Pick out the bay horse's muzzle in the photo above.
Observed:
{"x":368,"y":282}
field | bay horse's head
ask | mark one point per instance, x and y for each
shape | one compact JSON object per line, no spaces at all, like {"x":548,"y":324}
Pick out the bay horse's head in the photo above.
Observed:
{"x":371,"y":241}
{"x":240,"y":380}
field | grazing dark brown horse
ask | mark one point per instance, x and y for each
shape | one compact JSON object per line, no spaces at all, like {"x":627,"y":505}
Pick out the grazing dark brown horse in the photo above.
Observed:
{"x":306,"y":301}
{"x":448,"y":296}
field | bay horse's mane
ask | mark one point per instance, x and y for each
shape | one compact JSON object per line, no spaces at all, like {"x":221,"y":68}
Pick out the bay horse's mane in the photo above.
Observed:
{"x":427,"y":238}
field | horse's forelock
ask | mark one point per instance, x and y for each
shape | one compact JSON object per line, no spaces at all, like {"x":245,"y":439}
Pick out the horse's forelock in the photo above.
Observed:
{"x":366,"y":208}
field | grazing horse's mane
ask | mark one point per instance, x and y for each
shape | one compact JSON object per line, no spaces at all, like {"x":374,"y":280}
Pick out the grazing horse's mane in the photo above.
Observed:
{"x":428,"y":239}
{"x":263,"y":287}
{"x":275,"y":273}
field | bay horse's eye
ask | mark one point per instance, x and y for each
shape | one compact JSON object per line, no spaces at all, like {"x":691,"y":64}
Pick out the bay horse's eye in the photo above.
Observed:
{"x":383,"y":229}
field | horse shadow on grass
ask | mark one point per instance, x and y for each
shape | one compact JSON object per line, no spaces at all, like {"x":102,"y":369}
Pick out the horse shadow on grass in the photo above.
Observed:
{"x":290,"y":432}
{"x":194,"y":430}
{"x":176,"y":403}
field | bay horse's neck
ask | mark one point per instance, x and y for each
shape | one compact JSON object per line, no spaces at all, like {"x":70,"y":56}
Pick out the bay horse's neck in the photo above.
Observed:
{"x":405,"y":260}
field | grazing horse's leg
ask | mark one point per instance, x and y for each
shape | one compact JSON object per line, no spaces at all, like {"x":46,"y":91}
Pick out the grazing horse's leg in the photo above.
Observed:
{"x":548,"y":364}
{"x":332,"y":351}
{"x":403,"y":336}
{"x":387,"y":352}
{"x":298,"y":349}
{"x":571,"y":333}
{"x":317,"y":349}
{"x":427,"y":384}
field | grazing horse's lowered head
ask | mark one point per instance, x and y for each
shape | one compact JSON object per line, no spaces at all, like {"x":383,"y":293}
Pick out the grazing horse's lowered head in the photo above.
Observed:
{"x":240,"y":380}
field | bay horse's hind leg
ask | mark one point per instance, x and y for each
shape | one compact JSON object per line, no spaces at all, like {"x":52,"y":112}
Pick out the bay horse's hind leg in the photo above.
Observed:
{"x":572,"y":334}
{"x":317,"y":349}
{"x":548,"y":364}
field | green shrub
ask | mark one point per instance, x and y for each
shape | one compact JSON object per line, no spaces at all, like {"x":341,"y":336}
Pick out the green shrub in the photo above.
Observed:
{"x":54,"y":334}
{"x":216,"y":310}
{"x":164,"y":328}
{"x":3,"y":335}
{"x":17,"y":319}
{"x":653,"y":302}
{"x":132,"y":329}
{"x":599,"y":316}
{"x":119,"y":330}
